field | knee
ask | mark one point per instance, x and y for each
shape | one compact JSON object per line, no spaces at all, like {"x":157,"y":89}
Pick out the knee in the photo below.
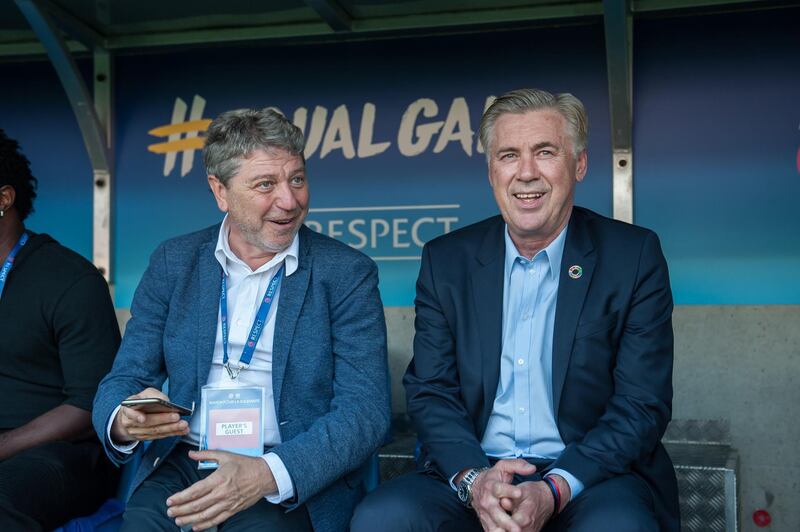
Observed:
{"x":618,"y":517}
{"x":630,"y":520}
{"x":389,"y":512}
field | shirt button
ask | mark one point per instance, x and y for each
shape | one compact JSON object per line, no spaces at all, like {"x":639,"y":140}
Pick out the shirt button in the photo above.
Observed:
{"x":238,"y":322}
{"x":526,"y":317}
{"x":520,"y":361}
{"x":522,"y":410}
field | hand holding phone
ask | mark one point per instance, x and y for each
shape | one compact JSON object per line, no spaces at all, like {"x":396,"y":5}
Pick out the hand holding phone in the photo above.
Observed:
{"x":156,"y":405}
{"x":148,"y":415}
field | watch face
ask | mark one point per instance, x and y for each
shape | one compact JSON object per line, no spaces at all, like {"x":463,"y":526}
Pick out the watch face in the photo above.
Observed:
{"x":463,"y":494}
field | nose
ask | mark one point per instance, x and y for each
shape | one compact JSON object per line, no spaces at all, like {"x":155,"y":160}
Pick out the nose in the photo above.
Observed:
{"x":285,"y":197}
{"x":528,"y":170}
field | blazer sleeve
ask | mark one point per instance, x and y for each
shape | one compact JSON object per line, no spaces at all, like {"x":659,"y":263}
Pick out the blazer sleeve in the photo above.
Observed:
{"x":433,"y":389}
{"x":140,"y":361}
{"x":640,"y":408}
{"x":341,"y":440}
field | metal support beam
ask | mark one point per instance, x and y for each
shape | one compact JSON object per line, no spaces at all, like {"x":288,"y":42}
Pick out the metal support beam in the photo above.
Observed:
{"x":103,"y":179}
{"x":95,"y":136}
{"x":71,"y":79}
{"x":435,"y":22}
{"x":77,"y":28}
{"x":332,"y":13}
{"x":618,"y":32}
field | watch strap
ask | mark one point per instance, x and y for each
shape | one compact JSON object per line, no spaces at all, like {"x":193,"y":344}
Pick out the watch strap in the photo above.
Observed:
{"x":465,"y":486}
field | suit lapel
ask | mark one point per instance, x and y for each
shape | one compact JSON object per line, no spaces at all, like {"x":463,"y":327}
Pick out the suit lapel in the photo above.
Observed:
{"x":207,"y":294}
{"x":292,"y":295}
{"x":487,"y":293}
{"x":578,"y":251}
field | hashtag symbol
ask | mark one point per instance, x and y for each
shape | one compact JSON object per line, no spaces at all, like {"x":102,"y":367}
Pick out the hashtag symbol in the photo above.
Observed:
{"x":182,"y":135}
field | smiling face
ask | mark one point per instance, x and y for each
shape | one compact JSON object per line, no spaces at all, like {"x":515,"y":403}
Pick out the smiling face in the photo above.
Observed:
{"x":533,"y":171}
{"x":267,"y":202}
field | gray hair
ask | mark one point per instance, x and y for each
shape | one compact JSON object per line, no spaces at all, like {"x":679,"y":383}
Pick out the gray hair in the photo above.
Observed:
{"x":235,"y":135}
{"x":521,"y":101}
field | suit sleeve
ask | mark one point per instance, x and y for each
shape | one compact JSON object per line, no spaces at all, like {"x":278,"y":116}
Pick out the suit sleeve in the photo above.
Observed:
{"x":357,"y":422}
{"x":140,"y":360}
{"x":433,"y":392}
{"x":637,"y":413}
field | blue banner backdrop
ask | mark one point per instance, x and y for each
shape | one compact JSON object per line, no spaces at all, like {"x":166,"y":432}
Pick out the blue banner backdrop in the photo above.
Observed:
{"x":393,"y":157}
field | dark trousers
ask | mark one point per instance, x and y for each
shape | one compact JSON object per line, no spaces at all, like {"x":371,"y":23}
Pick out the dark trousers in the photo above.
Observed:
{"x":46,"y":486}
{"x":147,"y":507}
{"x":423,"y":501}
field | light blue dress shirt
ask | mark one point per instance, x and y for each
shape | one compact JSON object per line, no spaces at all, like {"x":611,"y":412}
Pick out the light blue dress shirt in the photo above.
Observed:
{"x":522,"y":422}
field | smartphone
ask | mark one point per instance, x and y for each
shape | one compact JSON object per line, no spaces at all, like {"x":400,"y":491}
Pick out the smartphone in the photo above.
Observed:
{"x":154,"y":405}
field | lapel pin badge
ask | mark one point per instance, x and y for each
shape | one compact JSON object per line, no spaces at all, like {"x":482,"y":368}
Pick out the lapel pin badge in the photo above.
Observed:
{"x":575,"y":271}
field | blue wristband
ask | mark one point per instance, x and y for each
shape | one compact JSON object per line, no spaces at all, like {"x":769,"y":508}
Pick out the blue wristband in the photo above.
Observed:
{"x":556,"y":494}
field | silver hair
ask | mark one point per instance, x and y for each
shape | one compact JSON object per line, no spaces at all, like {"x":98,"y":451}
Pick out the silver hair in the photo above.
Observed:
{"x":235,"y":135}
{"x":521,"y":101}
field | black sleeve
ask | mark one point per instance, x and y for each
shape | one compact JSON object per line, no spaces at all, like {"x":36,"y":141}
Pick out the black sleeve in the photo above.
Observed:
{"x":87,"y":335}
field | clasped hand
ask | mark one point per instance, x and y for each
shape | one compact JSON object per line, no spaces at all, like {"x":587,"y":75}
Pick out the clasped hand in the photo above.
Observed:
{"x":502,"y":506}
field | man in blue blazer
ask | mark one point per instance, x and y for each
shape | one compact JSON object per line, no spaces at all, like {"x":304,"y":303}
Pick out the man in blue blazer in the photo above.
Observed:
{"x":541,"y":382}
{"x":321,"y":353}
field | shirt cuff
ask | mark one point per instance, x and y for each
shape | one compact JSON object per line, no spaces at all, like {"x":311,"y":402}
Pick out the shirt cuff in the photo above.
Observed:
{"x":575,"y":485}
{"x":453,"y":481}
{"x":282,"y":479}
{"x":124,"y":449}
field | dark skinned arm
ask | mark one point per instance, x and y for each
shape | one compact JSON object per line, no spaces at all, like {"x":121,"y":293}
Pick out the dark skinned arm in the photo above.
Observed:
{"x":64,"y":422}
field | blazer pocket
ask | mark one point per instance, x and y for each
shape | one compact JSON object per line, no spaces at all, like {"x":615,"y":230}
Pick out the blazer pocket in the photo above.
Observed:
{"x":588,"y":328}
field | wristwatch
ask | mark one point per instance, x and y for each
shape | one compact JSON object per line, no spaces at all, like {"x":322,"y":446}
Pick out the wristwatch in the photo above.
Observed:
{"x":465,"y":486}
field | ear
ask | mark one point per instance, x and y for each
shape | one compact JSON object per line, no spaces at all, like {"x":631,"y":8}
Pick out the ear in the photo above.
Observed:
{"x":7,"y":197}
{"x":581,"y":165}
{"x":219,"y":191}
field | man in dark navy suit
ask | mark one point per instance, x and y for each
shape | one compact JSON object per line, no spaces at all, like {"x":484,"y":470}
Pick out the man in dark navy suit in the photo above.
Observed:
{"x":541,"y":382}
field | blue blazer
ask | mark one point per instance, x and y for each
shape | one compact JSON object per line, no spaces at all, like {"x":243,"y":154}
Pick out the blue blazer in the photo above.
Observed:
{"x":329,"y":372}
{"x":612,"y":352}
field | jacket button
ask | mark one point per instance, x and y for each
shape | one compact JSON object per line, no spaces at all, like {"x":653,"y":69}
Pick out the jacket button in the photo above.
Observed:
{"x":427,"y":464}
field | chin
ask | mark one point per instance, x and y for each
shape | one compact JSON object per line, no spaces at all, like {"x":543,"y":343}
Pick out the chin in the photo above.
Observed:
{"x":274,"y":247}
{"x":277,"y":244}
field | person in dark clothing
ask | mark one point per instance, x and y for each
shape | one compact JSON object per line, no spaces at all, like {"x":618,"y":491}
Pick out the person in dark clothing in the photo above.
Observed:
{"x":58,"y":338}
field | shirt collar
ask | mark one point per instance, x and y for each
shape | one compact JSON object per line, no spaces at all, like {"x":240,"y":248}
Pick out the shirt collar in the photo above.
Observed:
{"x":553,"y":252}
{"x":224,"y":254}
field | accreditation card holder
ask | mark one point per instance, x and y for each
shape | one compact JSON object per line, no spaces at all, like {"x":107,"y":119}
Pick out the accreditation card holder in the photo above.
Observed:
{"x":232,"y":419}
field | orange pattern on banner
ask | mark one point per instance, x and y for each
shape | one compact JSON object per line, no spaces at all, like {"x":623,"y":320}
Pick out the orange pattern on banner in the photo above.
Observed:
{"x":193,"y":143}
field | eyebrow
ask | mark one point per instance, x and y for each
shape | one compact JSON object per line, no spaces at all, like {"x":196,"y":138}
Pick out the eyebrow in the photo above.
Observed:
{"x":538,"y":146}
{"x":261,"y":177}
{"x":545,"y":144}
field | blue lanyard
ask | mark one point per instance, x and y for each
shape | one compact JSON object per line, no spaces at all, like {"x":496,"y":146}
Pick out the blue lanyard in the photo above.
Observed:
{"x":255,"y":330}
{"x":10,"y":261}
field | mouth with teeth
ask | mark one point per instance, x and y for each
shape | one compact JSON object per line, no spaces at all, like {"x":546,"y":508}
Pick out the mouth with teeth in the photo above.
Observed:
{"x":529,"y":199}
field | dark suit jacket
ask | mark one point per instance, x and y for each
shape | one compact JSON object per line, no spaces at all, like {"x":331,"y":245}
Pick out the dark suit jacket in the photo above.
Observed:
{"x":328,"y":362}
{"x":612,"y":352}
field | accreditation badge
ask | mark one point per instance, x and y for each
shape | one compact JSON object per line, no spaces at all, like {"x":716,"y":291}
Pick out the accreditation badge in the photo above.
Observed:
{"x":232,"y":420}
